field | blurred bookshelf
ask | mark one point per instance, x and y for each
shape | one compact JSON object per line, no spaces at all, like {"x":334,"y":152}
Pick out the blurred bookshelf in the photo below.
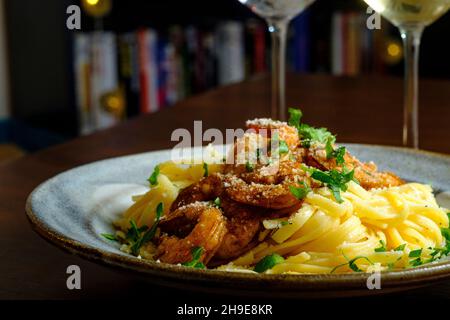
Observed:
{"x":145,"y":55}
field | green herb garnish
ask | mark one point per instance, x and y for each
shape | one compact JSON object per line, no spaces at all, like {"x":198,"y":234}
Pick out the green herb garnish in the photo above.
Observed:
{"x":300,"y":193}
{"x":154,"y":177}
{"x":416,"y":262}
{"x":205,"y":170}
{"x":283,"y":147}
{"x":140,"y":239}
{"x":307,"y":133}
{"x":109,"y":236}
{"x":268,"y":262}
{"x":249,"y":167}
{"x":196,"y":256}
{"x":217,"y":202}
{"x":321,"y":135}
{"x":415,"y":253}
{"x":134,"y":232}
{"x":382,"y":247}
{"x":295,"y":116}
{"x":336,"y":181}
{"x":352,"y":264}
{"x":337,"y":154}
{"x":446,"y":233}
{"x":400,"y":247}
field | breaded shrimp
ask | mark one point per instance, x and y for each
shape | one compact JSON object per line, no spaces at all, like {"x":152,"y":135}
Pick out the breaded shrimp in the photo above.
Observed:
{"x":367,"y":174}
{"x":194,"y":225}
{"x":270,"y":196}
{"x":243,"y":223}
{"x":205,"y":190}
{"x":267,"y":127}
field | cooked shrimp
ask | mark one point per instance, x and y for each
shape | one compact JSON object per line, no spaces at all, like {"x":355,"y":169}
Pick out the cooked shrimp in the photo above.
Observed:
{"x":268,"y":126}
{"x":247,"y":150}
{"x":270,"y":196}
{"x":194,"y":225}
{"x":256,"y":149}
{"x":367,"y":174}
{"x":206,"y":189}
{"x":243,"y":223}
{"x":274,"y":173}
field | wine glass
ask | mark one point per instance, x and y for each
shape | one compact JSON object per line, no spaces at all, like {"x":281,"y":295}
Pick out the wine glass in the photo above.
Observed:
{"x":411,"y":17}
{"x":278,"y":14}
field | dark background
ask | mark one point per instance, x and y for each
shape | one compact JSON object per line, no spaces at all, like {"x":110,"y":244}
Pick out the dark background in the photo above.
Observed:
{"x":40,"y":52}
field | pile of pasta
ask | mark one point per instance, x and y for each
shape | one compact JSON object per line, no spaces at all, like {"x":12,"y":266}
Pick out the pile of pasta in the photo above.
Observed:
{"x":369,"y":231}
{"x":172,"y":178}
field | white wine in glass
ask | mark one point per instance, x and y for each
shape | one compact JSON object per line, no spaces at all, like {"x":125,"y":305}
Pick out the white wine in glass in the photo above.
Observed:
{"x":417,"y":12}
{"x":411,"y":17}
{"x":278,"y":14}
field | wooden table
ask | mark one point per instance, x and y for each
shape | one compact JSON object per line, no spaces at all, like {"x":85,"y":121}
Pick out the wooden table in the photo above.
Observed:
{"x":364,"y":110}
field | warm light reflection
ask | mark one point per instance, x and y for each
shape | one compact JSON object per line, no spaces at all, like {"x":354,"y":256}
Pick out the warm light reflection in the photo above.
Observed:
{"x":92,"y":2}
{"x":97,"y":8}
{"x":394,"y":49}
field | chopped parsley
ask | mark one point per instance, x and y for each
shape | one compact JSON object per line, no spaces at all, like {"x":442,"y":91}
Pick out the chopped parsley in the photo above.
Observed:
{"x":311,"y":134}
{"x":268,"y":262}
{"x":298,"y":192}
{"x":307,"y":133}
{"x":196,"y":256}
{"x":336,"y":181}
{"x":134,"y":232}
{"x":415,"y":253}
{"x":295,"y":116}
{"x":249,"y":167}
{"x":283,"y":147}
{"x":205,"y":170}
{"x":382,"y":247}
{"x":140,"y":236}
{"x":217,"y":202}
{"x":154,"y":177}
{"x":109,"y":236}
{"x":352,"y":264}
{"x":337,"y":154}
{"x":446,"y":233}
{"x":416,"y":262}
{"x":436,"y":253}
{"x":400,"y":247}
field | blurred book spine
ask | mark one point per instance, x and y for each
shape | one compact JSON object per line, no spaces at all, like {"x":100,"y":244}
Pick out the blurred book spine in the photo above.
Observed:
{"x":353,"y":45}
{"x":301,"y":43}
{"x":82,"y":72}
{"x":148,"y":70}
{"x":129,"y":71}
{"x":104,"y":76}
{"x":155,"y":68}
{"x":230,"y":52}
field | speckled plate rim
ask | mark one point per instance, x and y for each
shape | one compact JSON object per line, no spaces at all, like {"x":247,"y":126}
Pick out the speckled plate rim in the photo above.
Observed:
{"x":289,"y":283}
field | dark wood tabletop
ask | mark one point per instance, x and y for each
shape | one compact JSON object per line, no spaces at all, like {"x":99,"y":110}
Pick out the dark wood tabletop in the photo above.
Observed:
{"x":363,"y":110}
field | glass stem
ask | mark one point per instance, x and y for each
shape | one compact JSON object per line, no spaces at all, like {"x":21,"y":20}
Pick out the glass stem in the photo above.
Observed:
{"x":411,"y":42}
{"x":278,"y":30}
